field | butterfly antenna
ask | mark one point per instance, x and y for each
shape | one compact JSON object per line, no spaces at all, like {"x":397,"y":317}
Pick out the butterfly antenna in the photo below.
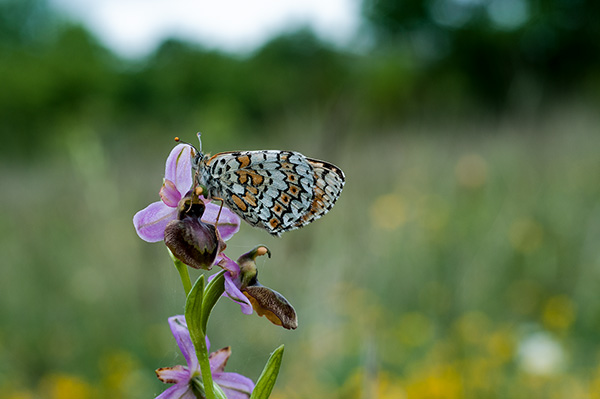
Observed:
{"x":178,"y":140}
{"x":199,"y":139}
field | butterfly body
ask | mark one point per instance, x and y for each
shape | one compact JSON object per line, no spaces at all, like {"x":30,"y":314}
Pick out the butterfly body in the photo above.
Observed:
{"x":274,"y":190}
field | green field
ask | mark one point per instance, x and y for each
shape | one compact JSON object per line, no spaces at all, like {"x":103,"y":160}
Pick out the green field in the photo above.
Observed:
{"x":461,"y":261}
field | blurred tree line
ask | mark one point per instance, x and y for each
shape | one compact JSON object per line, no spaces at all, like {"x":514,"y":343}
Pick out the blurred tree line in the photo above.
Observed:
{"x":436,"y":57}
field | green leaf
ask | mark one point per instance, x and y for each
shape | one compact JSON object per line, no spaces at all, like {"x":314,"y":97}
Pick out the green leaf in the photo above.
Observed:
{"x":193,"y":311}
{"x":218,"y":391}
{"x":267,"y":379}
{"x":213,"y":291}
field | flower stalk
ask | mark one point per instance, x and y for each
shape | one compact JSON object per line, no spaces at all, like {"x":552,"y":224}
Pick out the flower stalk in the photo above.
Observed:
{"x":184,"y":274}
{"x":202,"y":353}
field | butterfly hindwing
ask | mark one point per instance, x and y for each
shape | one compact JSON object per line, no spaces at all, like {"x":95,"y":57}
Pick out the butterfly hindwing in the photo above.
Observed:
{"x":329,"y":182}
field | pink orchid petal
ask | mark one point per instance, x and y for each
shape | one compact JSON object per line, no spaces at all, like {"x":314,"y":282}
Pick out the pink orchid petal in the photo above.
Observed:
{"x":233,"y":292}
{"x":229,"y":222}
{"x":182,"y":336}
{"x":179,"y":391}
{"x":169,"y":194}
{"x":151,"y":221}
{"x":173,"y":375}
{"x":178,"y":168}
{"x":235,"y":385}
{"x":224,"y":262}
{"x":218,"y":360}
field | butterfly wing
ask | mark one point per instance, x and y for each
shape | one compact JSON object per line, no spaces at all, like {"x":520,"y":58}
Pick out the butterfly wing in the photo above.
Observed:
{"x":272,"y":190}
{"x":329,"y":182}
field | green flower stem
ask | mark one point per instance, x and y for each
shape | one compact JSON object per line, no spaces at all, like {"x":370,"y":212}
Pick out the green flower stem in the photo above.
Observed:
{"x":184,"y":274}
{"x":202,"y":353}
{"x":193,"y":317}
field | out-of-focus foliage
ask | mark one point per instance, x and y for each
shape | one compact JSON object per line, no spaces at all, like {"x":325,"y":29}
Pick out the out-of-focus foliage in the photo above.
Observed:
{"x":436,"y":58}
{"x":498,"y":49}
{"x":460,"y":267}
{"x":461,"y":260}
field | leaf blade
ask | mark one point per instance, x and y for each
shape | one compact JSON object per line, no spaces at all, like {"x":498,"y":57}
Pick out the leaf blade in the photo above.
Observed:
{"x":193,"y":310}
{"x":268,"y":377}
{"x":212,"y":292}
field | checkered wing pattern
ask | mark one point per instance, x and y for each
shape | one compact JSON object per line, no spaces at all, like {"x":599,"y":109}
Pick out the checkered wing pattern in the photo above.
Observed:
{"x":274,"y":190}
{"x":329,"y":182}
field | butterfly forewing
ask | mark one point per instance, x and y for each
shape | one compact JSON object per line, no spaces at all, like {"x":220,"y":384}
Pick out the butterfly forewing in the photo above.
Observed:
{"x":272,"y":190}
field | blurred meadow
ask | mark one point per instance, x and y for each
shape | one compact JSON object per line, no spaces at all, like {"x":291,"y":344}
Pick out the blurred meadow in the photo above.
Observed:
{"x":461,"y":260}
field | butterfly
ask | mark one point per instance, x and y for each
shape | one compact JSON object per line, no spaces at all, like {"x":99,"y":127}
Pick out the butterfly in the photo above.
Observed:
{"x":277,"y":191}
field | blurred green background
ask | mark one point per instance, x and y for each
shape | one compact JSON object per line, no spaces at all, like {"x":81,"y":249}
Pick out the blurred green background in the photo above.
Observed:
{"x":461,"y":260}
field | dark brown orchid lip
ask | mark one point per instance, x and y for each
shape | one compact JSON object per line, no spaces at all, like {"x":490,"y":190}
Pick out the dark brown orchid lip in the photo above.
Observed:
{"x":192,"y":241}
{"x":271,"y":304}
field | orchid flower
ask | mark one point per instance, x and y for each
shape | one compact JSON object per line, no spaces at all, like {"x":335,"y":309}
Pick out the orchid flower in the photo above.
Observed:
{"x":150,"y":222}
{"x":187,"y":380}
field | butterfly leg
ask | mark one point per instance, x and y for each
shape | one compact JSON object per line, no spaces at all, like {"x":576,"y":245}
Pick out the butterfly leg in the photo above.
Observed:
{"x":220,"y":209}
